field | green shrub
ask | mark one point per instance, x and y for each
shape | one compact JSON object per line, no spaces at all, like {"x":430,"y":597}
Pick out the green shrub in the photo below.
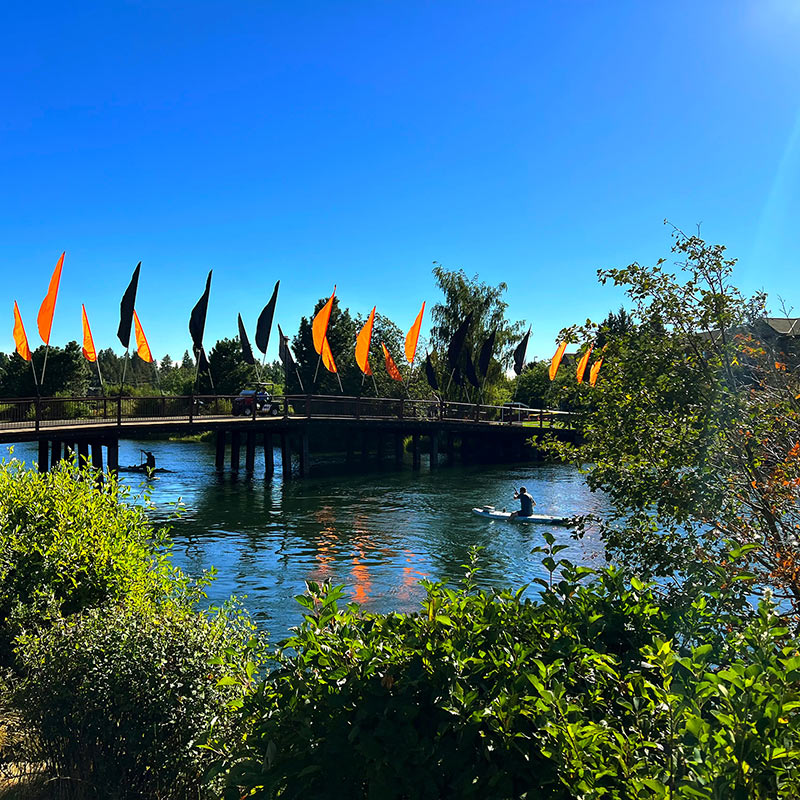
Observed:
{"x":67,"y":544}
{"x":590,"y":692}
{"x":121,"y":699}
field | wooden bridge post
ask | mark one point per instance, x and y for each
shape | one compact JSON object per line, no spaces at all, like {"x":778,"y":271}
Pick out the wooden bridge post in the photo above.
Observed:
{"x":42,"y":461}
{"x":97,"y":454}
{"x":364,"y":447}
{"x":434,"y":449}
{"x":235,"y":445}
{"x":451,"y":448}
{"x":269,"y":460}
{"x":349,"y":447}
{"x":398,"y":448}
{"x":286,"y":456}
{"x":83,"y":453}
{"x":219,"y":461}
{"x":380,"y":447}
{"x":304,"y":459}
{"x":250,"y":451}
{"x":415,"y":450}
{"x":112,"y":455}
{"x":55,"y":452}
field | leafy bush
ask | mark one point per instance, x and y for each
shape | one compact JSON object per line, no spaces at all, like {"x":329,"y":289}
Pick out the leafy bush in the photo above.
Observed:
{"x":591,"y":692}
{"x":67,"y":544}
{"x":121,"y":699}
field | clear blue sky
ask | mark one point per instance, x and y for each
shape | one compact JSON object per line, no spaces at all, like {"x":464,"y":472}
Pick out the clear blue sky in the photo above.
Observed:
{"x":356,"y":142}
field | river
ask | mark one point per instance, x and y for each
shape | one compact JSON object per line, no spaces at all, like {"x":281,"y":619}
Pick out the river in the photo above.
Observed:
{"x":378,"y":532}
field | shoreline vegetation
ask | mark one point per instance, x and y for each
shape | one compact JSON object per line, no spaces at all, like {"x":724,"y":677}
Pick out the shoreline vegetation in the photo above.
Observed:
{"x":659,"y":677}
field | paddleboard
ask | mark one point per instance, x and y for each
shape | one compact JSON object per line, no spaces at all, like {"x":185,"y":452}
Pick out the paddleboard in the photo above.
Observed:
{"x":543,"y":519}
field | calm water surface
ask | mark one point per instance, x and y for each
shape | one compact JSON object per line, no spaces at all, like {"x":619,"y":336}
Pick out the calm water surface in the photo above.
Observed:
{"x":378,"y":533}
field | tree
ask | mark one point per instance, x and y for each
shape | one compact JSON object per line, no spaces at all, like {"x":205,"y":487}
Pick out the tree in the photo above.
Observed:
{"x":67,"y":373}
{"x":462,"y":296}
{"x":229,"y":370}
{"x":695,"y":432}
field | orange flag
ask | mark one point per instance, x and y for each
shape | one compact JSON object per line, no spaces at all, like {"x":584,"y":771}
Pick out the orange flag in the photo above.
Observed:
{"x":319,"y":327}
{"x":413,"y":336}
{"x":593,"y":372}
{"x":363,"y":341}
{"x":142,"y":348}
{"x":48,"y":307}
{"x":391,"y":367}
{"x":20,"y":337}
{"x":89,"y":353}
{"x":582,"y":364}
{"x":327,"y":356}
{"x":556,"y":362}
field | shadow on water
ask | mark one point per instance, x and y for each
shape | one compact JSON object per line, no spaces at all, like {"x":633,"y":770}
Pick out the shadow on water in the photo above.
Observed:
{"x":378,"y":532}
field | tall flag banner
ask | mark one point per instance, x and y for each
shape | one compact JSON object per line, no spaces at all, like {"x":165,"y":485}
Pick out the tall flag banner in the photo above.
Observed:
{"x":413,"y":336}
{"x":457,"y":342}
{"x":89,"y":352}
{"x":284,"y":351}
{"x":126,"y":309}
{"x":264,"y":324}
{"x":20,"y":337}
{"x":430,"y":374}
{"x":487,"y":348}
{"x":582,"y":364}
{"x":247,"y":351}
{"x":327,"y":356}
{"x":319,"y":327}
{"x":556,"y":362}
{"x":458,"y":377}
{"x":520,"y":351}
{"x":48,"y":307}
{"x":595,"y":371}
{"x":197,"y":322}
{"x":469,"y":371}
{"x":202,"y":363}
{"x":142,"y":347}
{"x":363,"y":342}
{"x":391,"y":367}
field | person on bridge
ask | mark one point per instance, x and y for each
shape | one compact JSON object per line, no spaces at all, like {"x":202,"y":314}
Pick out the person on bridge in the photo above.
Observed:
{"x":526,"y":503}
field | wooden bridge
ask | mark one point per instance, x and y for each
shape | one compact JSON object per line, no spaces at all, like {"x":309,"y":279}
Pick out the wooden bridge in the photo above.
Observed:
{"x":90,"y":426}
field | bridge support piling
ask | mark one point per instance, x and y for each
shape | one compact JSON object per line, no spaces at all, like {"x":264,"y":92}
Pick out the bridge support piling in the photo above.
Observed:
{"x":97,"y":455}
{"x":55,"y":452}
{"x":415,"y":450}
{"x":83,"y":453}
{"x":219,"y":461}
{"x":398,"y":449}
{"x":434,"y":450}
{"x":380,"y":447}
{"x":269,"y":460}
{"x":364,"y":447}
{"x":451,"y":449}
{"x":250,"y":452}
{"x":465,"y":448}
{"x":349,"y":446}
{"x":235,"y":447}
{"x":42,"y":462}
{"x":286,"y":456}
{"x":304,"y":460}
{"x":112,"y":455}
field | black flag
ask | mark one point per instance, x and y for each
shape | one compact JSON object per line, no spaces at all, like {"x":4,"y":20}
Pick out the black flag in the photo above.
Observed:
{"x":457,"y":342}
{"x":469,"y":371}
{"x":284,"y":353}
{"x":247,"y":351}
{"x":519,"y":353}
{"x":126,"y":309}
{"x":197,"y":322}
{"x":486,"y":353}
{"x":458,"y":378}
{"x":264,"y":325}
{"x":430,"y":374}
{"x":202,"y":362}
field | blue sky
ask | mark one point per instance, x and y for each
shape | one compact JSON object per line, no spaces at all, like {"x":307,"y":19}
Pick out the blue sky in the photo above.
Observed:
{"x":357,"y":142}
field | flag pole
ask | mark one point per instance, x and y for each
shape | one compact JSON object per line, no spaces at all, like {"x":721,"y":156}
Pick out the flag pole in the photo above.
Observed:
{"x":375,"y":384}
{"x":46,"y":351}
{"x":35,"y":382}
{"x":124,"y":370}
{"x":100,"y":377}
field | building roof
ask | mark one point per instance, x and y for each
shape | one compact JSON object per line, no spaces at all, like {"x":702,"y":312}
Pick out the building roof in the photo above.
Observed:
{"x":785,"y":326}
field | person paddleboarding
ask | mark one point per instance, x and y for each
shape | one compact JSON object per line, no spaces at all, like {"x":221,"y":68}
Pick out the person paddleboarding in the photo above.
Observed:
{"x":526,"y":503}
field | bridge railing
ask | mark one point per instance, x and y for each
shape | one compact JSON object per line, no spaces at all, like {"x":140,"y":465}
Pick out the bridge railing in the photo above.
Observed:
{"x":37,"y":413}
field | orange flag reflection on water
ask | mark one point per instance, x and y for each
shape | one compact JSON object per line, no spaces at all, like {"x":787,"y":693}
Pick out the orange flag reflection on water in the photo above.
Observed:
{"x":20,"y":337}
{"x":413,"y":336}
{"x":556,"y":362}
{"x":582,"y":364}
{"x":363,"y":342}
{"x":89,"y":353}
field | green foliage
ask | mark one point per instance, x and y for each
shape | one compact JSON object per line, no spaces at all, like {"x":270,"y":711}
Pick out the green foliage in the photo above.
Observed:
{"x":67,"y":373}
{"x":598,"y":691}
